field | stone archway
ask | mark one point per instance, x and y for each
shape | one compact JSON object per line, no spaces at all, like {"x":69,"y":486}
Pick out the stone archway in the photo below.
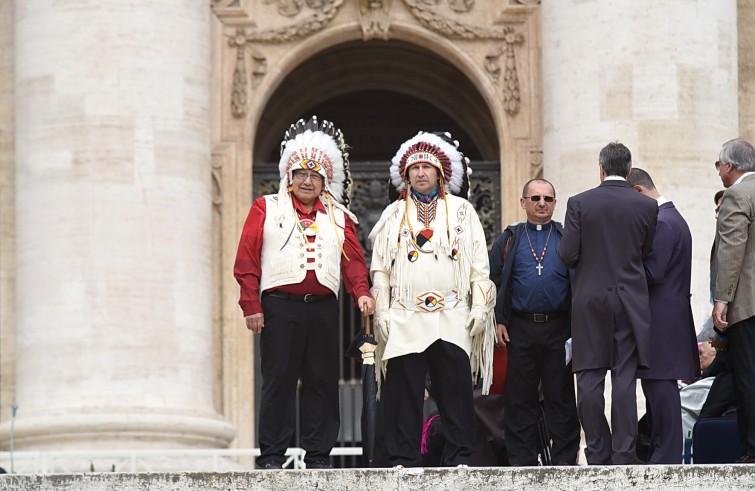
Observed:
{"x":477,"y":64}
{"x":380,"y":94}
{"x":404,"y":88}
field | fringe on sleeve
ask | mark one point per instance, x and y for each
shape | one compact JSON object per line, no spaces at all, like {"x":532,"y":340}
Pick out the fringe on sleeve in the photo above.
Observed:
{"x":481,"y":355}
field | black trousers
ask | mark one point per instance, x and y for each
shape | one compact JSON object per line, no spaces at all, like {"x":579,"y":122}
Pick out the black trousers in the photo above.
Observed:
{"x":742,"y":358}
{"x":299,"y":341}
{"x":536,"y":355}
{"x":403,"y":398}
{"x":721,"y":396}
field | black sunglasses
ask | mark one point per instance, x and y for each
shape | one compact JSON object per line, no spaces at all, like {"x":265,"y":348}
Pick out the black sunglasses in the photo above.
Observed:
{"x":537,"y":197}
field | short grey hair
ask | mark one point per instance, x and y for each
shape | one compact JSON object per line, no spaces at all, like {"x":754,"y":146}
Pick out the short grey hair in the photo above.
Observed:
{"x":615,"y":159}
{"x":740,"y":153}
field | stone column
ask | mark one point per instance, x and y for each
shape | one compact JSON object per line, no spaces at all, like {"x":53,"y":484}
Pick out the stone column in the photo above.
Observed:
{"x":661,"y":77}
{"x":114,"y":338}
{"x":746,"y":32}
{"x":7,"y":215}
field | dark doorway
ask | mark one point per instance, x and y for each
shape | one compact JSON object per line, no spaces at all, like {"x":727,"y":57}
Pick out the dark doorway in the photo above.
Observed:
{"x":376,"y":122}
{"x":392,"y":88}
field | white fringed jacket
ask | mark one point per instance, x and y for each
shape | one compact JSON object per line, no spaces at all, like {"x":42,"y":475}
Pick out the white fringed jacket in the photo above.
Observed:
{"x":435,"y":296}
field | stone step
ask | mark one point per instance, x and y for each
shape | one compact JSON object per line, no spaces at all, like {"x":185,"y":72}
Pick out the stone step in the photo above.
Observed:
{"x":598,"y":478}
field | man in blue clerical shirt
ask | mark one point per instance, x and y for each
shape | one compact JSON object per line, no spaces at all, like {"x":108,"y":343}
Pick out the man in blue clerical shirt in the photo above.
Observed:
{"x":532,"y":316}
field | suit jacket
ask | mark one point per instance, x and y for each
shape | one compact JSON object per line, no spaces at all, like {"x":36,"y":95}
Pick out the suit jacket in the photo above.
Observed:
{"x":673,"y":352}
{"x":733,"y":264}
{"x":608,"y":231}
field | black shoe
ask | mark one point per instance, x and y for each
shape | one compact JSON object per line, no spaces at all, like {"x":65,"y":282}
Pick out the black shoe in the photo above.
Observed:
{"x":270,"y":465}
{"x":319,"y":464}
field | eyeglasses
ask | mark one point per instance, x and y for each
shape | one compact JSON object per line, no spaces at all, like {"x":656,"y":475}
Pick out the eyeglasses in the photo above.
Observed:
{"x":718,"y":164}
{"x":537,"y":197}
{"x":303,"y":176}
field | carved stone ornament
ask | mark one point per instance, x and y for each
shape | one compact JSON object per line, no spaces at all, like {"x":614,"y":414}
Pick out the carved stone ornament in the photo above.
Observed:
{"x":217,"y":180}
{"x":461,"y":5}
{"x":323,"y":13}
{"x":238,"y":88}
{"x":225,"y":3}
{"x":289,"y":8}
{"x":259,"y":61}
{"x":375,"y":18}
{"x":536,"y":164}
{"x":525,"y":2}
{"x":434,"y":21}
{"x":430,"y":19}
{"x":511,"y":96}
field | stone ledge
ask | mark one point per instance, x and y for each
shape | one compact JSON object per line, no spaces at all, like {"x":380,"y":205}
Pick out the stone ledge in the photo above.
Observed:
{"x":646,"y":478}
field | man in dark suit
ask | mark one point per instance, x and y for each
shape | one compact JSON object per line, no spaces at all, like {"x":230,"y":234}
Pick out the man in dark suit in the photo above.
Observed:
{"x":608,"y":232}
{"x":733,"y":270}
{"x":673,"y":353}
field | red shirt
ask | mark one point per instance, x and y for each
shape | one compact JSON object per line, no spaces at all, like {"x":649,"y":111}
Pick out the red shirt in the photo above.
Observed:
{"x":247,"y":269}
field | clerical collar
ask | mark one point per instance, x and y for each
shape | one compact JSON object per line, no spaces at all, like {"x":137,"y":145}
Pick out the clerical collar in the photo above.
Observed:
{"x":537,"y":226}
{"x":614,"y":178}
{"x":426,"y":198}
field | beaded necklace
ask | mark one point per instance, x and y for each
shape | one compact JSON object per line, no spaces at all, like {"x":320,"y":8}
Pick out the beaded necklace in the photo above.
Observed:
{"x":426,"y":211}
{"x":538,"y":260}
{"x":425,"y":215}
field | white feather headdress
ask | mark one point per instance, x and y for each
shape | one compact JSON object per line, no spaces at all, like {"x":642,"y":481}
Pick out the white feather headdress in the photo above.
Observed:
{"x":319,"y":147}
{"x":438,"y":150}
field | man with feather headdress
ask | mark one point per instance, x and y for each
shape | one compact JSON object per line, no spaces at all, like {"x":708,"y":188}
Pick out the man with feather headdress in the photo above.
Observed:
{"x":434,"y":299}
{"x":295,"y":248}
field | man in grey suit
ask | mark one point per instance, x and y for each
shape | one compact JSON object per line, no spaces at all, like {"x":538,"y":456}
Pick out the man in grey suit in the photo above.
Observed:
{"x":673,"y":353}
{"x":608,"y":232}
{"x":733,"y":270}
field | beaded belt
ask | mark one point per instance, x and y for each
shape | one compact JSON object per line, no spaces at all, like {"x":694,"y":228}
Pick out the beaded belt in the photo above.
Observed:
{"x":431,"y":301}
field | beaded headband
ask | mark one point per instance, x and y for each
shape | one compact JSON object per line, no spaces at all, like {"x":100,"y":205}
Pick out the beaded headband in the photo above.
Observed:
{"x":317,"y":147}
{"x":438,"y":150}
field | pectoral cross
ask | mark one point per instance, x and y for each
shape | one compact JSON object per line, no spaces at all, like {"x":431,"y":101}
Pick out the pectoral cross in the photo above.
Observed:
{"x":538,"y":260}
